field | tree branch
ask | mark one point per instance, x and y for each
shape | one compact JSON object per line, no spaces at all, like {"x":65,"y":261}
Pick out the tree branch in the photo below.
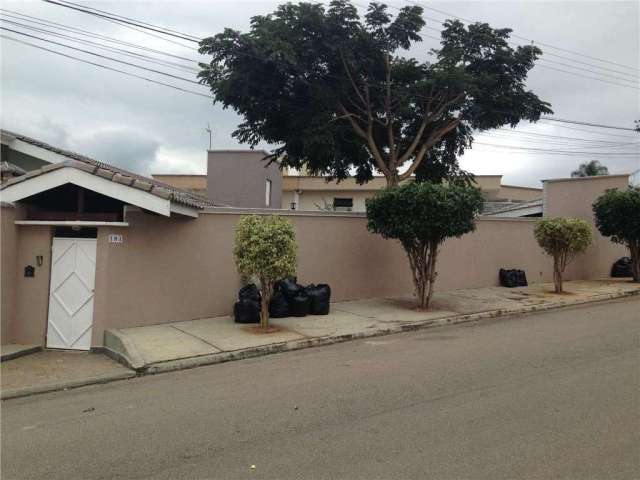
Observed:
{"x":368,"y":136}
{"x":353,"y":83}
{"x":393,"y":154}
{"x":433,"y":138}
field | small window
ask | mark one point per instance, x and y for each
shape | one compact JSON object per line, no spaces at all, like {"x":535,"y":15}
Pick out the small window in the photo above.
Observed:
{"x":343,"y":204}
{"x":267,"y":194}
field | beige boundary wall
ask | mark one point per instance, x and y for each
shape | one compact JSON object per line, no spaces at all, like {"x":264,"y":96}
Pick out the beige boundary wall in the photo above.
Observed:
{"x":171,"y":269}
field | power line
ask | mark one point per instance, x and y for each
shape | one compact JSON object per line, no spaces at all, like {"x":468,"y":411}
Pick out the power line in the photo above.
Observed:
{"x":119,"y":51}
{"x":635,"y":80}
{"x":546,"y":53}
{"x":593,"y":132}
{"x":79,"y":31}
{"x":572,"y":152}
{"x":548,"y":118}
{"x":577,"y":122}
{"x":123,"y":20}
{"x":587,"y":76}
{"x":175,"y":87}
{"x":449,"y":14}
{"x":619,"y":147}
{"x":122,"y":24}
{"x":128,"y":20}
{"x":159,"y":72}
{"x":536,"y":134}
{"x":131,"y":19}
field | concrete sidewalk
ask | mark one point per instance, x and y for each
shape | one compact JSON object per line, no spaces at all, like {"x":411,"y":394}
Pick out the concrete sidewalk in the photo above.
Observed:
{"x":51,"y":370}
{"x":178,"y":345}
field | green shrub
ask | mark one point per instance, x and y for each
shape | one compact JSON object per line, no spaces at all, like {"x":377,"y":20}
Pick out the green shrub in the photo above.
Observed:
{"x":422,"y":216}
{"x":618,"y":216}
{"x":563,"y":239}
{"x":266,"y":248}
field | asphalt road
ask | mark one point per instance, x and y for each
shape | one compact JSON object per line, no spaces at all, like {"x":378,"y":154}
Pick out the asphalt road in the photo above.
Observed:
{"x":550,"y":395}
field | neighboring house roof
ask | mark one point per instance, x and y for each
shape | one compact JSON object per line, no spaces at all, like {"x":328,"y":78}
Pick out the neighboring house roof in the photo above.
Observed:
{"x":109,"y":172}
{"x":522,"y":209}
{"x":489,"y":207}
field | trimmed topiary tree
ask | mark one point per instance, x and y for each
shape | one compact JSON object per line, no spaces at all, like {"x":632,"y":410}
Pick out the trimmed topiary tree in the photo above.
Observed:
{"x":617,"y":215}
{"x":563,"y":239}
{"x":265,"y":248}
{"x":422,"y":216}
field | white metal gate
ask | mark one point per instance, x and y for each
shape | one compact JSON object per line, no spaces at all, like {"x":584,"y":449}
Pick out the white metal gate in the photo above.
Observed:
{"x":73,"y":273}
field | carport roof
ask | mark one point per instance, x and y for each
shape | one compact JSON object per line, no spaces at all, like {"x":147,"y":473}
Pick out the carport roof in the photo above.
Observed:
{"x":108,"y":172}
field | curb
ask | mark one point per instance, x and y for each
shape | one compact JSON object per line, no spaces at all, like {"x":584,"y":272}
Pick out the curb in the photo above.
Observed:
{"x":139,"y":369}
{"x":211,"y":359}
{"x":54,"y":387}
{"x":20,"y":353}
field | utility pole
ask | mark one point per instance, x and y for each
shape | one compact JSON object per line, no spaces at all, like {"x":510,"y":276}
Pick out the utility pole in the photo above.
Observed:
{"x":208,"y":130}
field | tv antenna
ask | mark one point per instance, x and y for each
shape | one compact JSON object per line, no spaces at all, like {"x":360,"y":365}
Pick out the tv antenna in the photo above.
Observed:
{"x":208,"y":130}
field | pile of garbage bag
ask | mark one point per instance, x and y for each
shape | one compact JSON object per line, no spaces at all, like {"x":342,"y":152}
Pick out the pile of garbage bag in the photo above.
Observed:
{"x":622,"y":268}
{"x":289,"y":299}
{"x":512,"y":278}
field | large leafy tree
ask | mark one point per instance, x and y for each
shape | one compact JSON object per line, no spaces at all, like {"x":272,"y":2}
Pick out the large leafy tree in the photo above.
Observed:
{"x":590,"y":169}
{"x":422,"y":215}
{"x":336,"y":92}
{"x":617,"y":215}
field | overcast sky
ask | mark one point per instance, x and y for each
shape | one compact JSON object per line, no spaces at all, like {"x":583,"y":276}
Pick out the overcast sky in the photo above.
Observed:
{"x":154,"y":129}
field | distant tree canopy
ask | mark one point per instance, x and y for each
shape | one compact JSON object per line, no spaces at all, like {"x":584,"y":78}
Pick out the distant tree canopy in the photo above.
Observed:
{"x":590,"y":169}
{"x":332,"y":90}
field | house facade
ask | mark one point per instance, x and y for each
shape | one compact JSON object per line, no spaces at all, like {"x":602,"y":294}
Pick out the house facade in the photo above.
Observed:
{"x":240,"y":178}
{"x":87,"y":247}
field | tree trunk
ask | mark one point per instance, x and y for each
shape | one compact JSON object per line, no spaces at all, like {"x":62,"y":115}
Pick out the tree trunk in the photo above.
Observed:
{"x":422,"y":260}
{"x":265,"y":292}
{"x":393,"y":180}
{"x":431,"y":274}
{"x":635,"y":260}
{"x":557,"y":274}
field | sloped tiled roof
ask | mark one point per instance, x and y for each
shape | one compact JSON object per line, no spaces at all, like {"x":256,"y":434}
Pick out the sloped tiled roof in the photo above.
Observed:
{"x":109,"y":172}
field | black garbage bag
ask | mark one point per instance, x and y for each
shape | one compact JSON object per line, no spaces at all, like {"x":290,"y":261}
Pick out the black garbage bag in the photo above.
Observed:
{"x":249,"y":292}
{"x":622,"y":268}
{"x":279,"y":305}
{"x":508,"y":278}
{"x":320,"y":298}
{"x":521,"y":278}
{"x":512,"y":278}
{"x":246,"y":311}
{"x":299,"y":305}
{"x":289,"y":287}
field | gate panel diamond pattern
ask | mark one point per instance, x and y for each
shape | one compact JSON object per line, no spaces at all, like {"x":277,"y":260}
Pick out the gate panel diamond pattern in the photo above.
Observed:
{"x":73,"y":268}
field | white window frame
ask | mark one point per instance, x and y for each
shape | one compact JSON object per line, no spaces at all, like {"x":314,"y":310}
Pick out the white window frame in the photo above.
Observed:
{"x":267,"y":192}
{"x":342,"y":209}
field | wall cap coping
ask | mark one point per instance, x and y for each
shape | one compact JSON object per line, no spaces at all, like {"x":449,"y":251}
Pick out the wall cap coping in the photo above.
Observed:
{"x":577,"y":179}
{"x":313,"y":213}
{"x":246,"y":150}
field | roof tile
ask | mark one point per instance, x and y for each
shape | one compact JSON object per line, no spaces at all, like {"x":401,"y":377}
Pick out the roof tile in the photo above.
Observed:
{"x":112,"y":173}
{"x":142,"y":185}
{"x":119,"y":178}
